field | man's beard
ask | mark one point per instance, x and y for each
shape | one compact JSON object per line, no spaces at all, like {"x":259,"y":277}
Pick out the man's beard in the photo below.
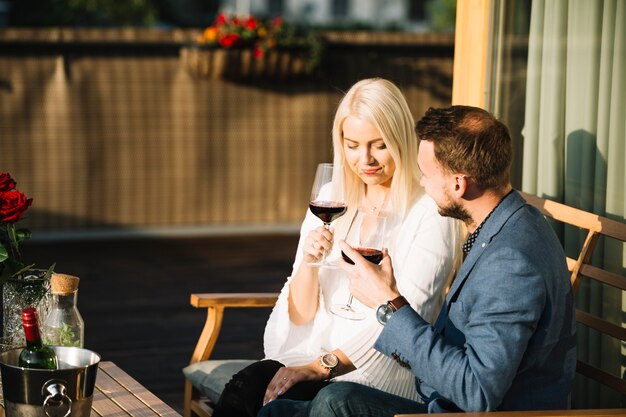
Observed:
{"x":456,"y":211}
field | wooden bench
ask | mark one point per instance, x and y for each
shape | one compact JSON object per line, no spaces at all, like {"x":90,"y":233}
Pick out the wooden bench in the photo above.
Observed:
{"x":593,"y":225}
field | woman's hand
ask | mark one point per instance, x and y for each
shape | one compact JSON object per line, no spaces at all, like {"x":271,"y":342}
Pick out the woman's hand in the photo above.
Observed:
{"x":317,"y":242}
{"x":289,"y":376}
{"x":304,"y":287}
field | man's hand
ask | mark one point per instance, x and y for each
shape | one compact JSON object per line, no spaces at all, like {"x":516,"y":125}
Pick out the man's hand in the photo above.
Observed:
{"x":371,"y":284}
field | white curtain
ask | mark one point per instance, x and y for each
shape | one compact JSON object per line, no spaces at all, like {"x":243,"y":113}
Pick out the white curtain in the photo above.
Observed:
{"x":574,"y":146}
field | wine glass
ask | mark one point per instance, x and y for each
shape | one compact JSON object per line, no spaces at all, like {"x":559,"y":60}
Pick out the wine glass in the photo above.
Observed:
{"x":327,"y":200}
{"x":366,"y":236}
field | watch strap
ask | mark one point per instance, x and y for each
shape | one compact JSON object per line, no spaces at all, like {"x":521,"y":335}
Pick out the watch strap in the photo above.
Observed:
{"x":397,"y":302}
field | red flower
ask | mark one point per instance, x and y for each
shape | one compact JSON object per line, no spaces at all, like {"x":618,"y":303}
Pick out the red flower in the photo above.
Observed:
{"x":251,"y":23}
{"x":277,"y":22}
{"x":259,"y":52}
{"x":221,"y":19}
{"x":229,"y":40}
{"x":6,"y":182}
{"x":12,"y":205}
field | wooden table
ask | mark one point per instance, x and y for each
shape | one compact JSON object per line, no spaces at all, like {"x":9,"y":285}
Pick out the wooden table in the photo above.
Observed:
{"x":119,"y":395}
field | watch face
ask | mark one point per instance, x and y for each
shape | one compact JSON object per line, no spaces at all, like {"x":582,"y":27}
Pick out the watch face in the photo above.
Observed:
{"x":383,"y":313}
{"x":330,"y":360}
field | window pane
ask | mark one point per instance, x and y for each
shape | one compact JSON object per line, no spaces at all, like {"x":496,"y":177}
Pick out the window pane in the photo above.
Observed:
{"x":508,"y":80}
{"x":417,"y":10}
{"x":340,"y":8}
{"x":276,"y":7}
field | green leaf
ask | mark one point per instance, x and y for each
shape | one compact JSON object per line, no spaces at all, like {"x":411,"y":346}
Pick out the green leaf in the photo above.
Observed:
{"x":4,"y":255}
{"x":23,"y":269}
{"x":50,"y":271}
{"x":22,"y":234}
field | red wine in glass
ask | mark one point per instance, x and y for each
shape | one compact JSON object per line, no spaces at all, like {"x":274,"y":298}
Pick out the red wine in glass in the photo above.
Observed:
{"x":366,"y":235}
{"x":327,"y":201}
{"x":372,"y":255}
{"x":327,"y":211}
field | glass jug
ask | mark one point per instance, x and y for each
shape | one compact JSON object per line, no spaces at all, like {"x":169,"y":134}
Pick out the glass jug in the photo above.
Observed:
{"x":63,"y":326}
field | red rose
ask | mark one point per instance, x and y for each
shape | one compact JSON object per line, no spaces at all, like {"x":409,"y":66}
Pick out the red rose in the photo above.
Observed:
{"x":12,"y":205}
{"x":6,"y":182}
{"x":277,"y":21}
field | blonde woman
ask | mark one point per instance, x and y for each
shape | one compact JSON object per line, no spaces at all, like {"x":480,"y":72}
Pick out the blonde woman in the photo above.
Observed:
{"x":308,"y":347}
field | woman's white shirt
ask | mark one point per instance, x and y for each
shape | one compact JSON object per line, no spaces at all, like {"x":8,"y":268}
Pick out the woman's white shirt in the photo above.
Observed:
{"x":425,"y":251}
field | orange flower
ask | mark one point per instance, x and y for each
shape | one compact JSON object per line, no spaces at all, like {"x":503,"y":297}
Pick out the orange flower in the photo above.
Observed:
{"x":209,"y":34}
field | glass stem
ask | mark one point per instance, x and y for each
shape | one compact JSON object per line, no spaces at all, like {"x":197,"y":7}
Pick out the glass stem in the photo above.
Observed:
{"x":327,"y":226}
{"x":349,"y":305}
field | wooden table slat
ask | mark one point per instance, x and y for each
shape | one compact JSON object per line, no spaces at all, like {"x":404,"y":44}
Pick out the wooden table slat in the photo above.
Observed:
{"x":138,"y":390}
{"x":102,"y":406}
{"x":126,"y":399}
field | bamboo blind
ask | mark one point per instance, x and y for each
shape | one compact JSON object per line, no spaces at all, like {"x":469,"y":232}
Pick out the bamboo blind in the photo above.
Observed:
{"x":129,"y":138}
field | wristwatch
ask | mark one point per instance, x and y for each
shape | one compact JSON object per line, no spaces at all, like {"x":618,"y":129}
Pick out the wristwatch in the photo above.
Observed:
{"x":330,"y":361}
{"x":384,"y":311}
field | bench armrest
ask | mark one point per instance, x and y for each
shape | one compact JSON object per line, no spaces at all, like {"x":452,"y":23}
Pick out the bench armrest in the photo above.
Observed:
{"x":250,"y":299}
{"x":215,"y":303}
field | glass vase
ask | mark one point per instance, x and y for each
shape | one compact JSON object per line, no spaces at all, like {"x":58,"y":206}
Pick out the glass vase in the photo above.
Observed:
{"x":30,"y":289}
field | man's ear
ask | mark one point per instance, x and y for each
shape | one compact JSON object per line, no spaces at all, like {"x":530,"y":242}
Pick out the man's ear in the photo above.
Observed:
{"x":461,"y":183}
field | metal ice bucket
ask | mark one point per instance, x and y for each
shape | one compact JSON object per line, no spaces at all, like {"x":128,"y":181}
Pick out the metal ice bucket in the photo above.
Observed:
{"x":64,"y":392}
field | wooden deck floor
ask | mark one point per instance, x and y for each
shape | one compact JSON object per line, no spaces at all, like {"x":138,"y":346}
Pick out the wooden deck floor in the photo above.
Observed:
{"x":134,"y":297}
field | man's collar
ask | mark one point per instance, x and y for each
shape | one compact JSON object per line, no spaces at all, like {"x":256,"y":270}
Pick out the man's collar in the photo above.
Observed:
{"x":467,"y":246}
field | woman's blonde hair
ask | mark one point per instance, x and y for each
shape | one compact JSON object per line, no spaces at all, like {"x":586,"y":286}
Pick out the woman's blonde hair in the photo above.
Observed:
{"x":380,"y":103}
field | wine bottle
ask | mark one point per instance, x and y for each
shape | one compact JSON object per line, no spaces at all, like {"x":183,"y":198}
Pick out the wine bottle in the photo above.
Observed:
{"x":35,"y":354}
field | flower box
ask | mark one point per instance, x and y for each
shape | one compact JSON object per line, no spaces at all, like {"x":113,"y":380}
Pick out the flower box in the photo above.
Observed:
{"x":240,"y":64}
{"x":243,"y":48}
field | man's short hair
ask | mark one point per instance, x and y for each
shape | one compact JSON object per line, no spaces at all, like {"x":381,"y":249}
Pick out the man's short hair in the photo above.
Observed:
{"x":471,"y":141}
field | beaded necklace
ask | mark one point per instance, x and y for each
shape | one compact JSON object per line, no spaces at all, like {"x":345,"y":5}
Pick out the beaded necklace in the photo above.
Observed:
{"x":471,"y":239}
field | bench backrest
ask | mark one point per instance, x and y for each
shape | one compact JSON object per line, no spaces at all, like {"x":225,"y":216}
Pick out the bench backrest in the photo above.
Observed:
{"x":595,"y":227}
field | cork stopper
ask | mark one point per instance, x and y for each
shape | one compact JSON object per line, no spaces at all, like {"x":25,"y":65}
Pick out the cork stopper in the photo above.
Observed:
{"x":63,"y":284}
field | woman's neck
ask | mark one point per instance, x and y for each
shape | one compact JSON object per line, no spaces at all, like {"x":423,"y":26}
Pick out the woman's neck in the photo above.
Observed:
{"x":376,"y":198}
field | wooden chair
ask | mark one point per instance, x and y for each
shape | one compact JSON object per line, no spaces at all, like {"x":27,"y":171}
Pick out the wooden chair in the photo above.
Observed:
{"x":216,"y":303}
{"x":595,"y":227}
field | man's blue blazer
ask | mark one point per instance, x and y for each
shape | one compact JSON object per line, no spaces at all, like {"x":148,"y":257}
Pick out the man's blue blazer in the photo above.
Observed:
{"x":505,"y":338}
